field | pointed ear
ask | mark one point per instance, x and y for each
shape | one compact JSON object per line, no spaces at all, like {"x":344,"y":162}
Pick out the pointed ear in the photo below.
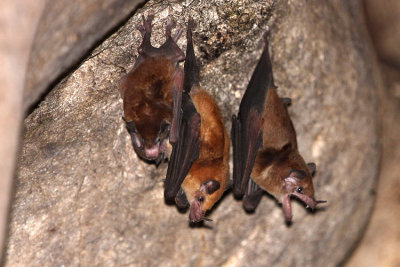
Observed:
{"x":312,"y":168}
{"x":134,"y":133}
{"x":210,"y":186}
{"x":131,"y":126}
{"x":299,"y":174}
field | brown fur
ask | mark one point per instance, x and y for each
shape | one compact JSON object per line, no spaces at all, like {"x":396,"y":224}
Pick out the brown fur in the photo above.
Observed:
{"x":147,"y":95}
{"x":213,"y":152}
{"x":273,"y":163}
{"x":276,"y":126}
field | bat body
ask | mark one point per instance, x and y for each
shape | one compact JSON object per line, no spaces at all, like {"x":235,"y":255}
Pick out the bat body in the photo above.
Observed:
{"x":151,"y":93}
{"x":266,"y":157}
{"x":198,"y":169}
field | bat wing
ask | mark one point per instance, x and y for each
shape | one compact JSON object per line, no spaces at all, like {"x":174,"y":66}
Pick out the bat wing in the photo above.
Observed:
{"x":246,"y":140}
{"x":185,"y":150}
{"x":246,"y":127}
{"x":252,"y":196}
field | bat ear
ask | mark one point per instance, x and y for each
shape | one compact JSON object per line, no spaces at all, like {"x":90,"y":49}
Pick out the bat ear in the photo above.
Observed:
{"x":134,"y":133}
{"x":210,"y":186}
{"x":165,"y":128}
{"x":312,"y":168}
{"x":131,"y":126}
{"x":299,"y":174}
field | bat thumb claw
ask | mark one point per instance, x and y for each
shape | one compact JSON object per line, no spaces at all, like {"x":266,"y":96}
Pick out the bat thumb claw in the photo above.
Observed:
{"x":191,"y":23}
{"x":266,"y":35}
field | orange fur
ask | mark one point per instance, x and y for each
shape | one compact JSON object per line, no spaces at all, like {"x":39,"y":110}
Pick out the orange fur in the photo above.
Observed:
{"x":213,"y":152}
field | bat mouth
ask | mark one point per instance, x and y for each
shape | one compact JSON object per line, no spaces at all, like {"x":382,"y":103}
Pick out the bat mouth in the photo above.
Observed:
{"x":287,"y":206}
{"x":196,"y":214}
{"x":309,"y":201}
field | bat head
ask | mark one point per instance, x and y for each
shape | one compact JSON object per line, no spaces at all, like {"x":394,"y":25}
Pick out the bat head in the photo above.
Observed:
{"x":201,"y":202}
{"x":151,"y":143}
{"x":298,"y":183}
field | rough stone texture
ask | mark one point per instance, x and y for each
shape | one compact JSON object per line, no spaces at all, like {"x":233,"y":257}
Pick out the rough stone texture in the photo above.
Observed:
{"x":68,"y":29}
{"x":84,"y":198}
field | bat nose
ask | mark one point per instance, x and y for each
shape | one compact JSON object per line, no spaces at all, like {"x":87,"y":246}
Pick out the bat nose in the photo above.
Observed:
{"x":196,"y":214}
{"x":152,"y":152}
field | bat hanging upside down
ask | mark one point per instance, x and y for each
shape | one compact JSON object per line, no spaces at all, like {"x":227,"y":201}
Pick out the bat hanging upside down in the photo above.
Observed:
{"x":151,"y":94}
{"x":197,"y":173}
{"x":265,"y":146}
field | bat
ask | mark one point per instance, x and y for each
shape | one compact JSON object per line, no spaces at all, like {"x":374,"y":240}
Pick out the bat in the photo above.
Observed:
{"x":151,"y":94}
{"x":265,"y":153}
{"x":197,"y":174}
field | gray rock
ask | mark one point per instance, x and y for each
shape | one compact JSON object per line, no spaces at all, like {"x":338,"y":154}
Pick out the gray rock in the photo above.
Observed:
{"x":69,"y":29}
{"x":84,"y":198}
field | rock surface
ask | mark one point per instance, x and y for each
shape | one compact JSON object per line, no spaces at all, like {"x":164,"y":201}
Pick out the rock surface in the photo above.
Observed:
{"x":380,"y":244}
{"x":68,"y":29}
{"x":84,"y":198}
{"x":16,"y":16}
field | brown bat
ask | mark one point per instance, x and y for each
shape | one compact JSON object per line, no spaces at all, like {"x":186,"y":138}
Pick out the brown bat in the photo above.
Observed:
{"x":151,"y":93}
{"x":197,"y":173}
{"x":265,"y":146}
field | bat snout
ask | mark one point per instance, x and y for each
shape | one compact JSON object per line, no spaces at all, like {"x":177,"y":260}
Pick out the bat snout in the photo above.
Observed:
{"x":196,"y":214}
{"x":152,"y":152}
{"x":308,"y":200}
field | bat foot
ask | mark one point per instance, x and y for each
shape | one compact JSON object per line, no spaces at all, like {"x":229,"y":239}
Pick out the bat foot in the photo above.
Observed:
{"x":146,"y":26}
{"x":168,"y":33}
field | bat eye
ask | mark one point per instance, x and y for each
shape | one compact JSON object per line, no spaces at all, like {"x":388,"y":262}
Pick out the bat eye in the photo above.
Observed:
{"x":200,"y":198}
{"x":300,"y":190}
{"x":158,"y":140}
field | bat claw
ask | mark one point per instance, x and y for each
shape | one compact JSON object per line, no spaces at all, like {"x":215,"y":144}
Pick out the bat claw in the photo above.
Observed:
{"x":266,"y":36}
{"x":146,"y":26}
{"x":168,"y":30}
{"x":170,"y":25}
{"x":177,"y":35}
{"x":191,"y":23}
